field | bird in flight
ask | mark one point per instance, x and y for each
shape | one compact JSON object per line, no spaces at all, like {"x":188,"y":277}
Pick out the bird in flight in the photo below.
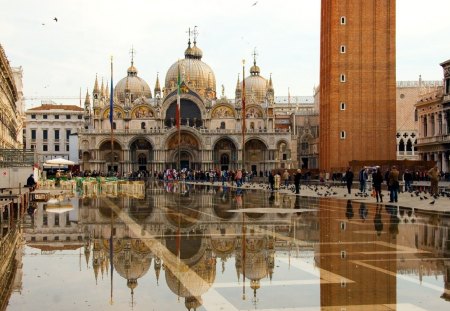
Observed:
{"x":55,"y":19}
{"x":255,"y":3}
{"x":43,"y":24}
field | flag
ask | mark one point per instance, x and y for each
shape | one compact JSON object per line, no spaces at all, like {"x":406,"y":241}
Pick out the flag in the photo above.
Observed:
{"x":111,"y":97}
{"x":177,"y":116}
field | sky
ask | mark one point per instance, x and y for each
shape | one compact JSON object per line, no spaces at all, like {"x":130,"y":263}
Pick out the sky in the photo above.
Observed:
{"x":59,"y":58}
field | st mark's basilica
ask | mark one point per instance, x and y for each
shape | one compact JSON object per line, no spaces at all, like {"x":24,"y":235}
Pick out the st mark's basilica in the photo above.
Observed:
{"x":144,"y":127}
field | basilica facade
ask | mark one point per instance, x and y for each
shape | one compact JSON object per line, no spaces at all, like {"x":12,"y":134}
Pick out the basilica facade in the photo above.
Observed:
{"x":145,"y":135}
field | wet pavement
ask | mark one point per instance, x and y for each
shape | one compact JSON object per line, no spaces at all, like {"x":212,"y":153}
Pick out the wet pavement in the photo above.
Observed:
{"x":199,"y":247}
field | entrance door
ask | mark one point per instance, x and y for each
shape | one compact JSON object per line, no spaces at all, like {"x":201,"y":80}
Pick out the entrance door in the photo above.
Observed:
{"x":305,"y":162}
{"x":113,"y":168}
{"x":184,"y":164}
{"x":253,"y":168}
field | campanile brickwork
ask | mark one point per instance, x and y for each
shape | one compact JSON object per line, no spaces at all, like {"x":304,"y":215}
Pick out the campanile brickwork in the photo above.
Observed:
{"x":357,"y":82}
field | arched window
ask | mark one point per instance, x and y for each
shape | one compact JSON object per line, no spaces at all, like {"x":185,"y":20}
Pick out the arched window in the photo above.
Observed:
{"x":114,"y":126}
{"x":415,"y":145}
{"x":401,"y":146}
{"x":142,"y":125}
{"x":409,"y":145}
{"x":252,"y":125}
{"x":222,"y":125}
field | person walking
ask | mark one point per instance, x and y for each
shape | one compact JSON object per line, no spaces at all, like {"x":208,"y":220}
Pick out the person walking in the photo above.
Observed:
{"x":433,"y":173}
{"x":349,"y":179}
{"x":377,"y":179}
{"x":297,"y":178}
{"x":393,"y":184}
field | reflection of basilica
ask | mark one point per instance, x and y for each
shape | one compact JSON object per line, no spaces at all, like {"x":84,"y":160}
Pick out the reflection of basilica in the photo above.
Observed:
{"x":211,"y":127}
{"x":186,"y":238}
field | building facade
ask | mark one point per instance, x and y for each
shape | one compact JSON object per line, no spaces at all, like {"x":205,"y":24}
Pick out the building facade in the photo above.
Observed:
{"x":145,"y":135}
{"x":357,"y":87}
{"x":11,"y":104}
{"x":48,"y":128}
{"x":408,"y":92}
{"x":433,"y":110}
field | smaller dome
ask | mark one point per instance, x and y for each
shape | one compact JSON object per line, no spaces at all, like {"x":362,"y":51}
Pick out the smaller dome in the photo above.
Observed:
{"x":132,"y":71}
{"x":193,"y":52}
{"x":254,"y":70}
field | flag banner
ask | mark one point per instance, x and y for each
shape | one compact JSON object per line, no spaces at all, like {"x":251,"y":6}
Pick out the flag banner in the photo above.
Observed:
{"x":178,"y":116}
{"x":111,"y":99}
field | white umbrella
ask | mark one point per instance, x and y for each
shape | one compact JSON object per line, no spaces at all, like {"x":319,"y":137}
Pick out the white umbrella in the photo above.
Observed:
{"x":59,"y":161}
{"x":59,"y":208}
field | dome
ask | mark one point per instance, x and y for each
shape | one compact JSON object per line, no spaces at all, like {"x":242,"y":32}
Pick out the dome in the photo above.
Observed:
{"x":256,"y":86}
{"x":132,"y":266}
{"x":195,"y":73}
{"x":136,"y":85}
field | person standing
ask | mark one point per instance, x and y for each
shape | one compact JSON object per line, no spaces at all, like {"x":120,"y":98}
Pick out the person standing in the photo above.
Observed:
{"x":377,"y":179}
{"x":393,"y":184}
{"x":362,"y":180}
{"x":271,"y":181}
{"x":286,"y":178}
{"x":433,"y":173}
{"x":407,"y":177}
{"x":349,"y":179}
{"x":297,"y":178}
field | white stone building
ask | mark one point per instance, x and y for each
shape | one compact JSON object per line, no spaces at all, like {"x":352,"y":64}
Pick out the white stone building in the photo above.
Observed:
{"x":48,"y":128}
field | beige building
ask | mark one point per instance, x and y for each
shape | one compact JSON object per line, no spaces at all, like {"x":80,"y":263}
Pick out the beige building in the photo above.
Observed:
{"x":408,"y":92}
{"x":11,"y":104}
{"x":433,"y":111}
{"x":211,"y":136}
{"x":48,"y":128}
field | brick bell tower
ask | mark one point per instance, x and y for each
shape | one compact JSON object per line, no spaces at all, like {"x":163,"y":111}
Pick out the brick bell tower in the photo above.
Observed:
{"x":357,"y":82}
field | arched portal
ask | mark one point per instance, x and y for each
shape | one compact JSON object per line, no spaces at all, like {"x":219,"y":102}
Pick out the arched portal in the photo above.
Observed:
{"x":255,"y":156}
{"x":189,"y":112}
{"x":225,"y":153}
{"x":141,"y":155}
{"x":112,"y":157}
{"x":185,"y":154}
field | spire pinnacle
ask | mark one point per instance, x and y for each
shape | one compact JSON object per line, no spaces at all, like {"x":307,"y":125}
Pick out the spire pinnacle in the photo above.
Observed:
{"x":254,"y":54}
{"x":238,"y":84}
{"x":102,"y":89}
{"x":87,"y":101}
{"x":96,"y":90}
{"x":157,"y":86}
{"x":189,"y":35}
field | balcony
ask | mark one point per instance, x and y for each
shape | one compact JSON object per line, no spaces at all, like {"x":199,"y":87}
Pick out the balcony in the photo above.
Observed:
{"x":160,"y":131}
{"x":440,"y":139}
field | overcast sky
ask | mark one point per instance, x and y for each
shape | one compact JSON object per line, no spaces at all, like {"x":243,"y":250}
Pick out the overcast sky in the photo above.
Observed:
{"x":60,"y":57}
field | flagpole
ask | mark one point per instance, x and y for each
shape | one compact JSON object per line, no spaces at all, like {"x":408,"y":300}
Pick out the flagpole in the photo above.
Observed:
{"x":243,"y":116}
{"x":179,"y":120}
{"x":111,"y":116}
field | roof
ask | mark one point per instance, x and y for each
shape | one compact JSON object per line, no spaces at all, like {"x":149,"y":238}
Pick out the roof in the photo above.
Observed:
{"x":294,"y":99}
{"x":57,"y":107}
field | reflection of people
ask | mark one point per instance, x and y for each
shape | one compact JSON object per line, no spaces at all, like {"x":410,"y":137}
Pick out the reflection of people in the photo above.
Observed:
{"x":363,"y":211}
{"x":377,"y":220}
{"x":271,"y":181}
{"x":297,"y":179}
{"x":349,"y":179}
{"x":31,"y":183}
{"x":349,"y":212}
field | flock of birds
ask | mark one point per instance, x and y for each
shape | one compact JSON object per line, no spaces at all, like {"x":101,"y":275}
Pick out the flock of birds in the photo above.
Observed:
{"x":328,"y":191}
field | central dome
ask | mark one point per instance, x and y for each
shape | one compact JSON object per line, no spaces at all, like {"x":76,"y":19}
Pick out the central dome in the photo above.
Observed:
{"x":135,"y":85}
{"x":195,"y":73}
{"x":256,"y":86}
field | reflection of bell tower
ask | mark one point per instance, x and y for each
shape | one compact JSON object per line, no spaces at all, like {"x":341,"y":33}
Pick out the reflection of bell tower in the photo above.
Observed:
{"x":375,"y":281}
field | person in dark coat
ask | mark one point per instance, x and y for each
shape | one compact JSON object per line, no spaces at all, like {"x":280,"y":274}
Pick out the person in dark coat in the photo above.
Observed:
{"x":377,"y":179}
{"x":31,"y":183}
{"x":349,"y":179}
{"x":271,"y":181}
{"x":297,"y":178}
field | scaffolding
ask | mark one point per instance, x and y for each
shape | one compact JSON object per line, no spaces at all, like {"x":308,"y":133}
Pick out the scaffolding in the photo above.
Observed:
{"x":17,"y":157}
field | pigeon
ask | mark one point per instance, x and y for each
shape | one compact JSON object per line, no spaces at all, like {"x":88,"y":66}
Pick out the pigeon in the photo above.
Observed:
{"x":55,"y":19}
{"x":255,"y":3}
{"x":426,"y":198}
{"x":432,"y":202}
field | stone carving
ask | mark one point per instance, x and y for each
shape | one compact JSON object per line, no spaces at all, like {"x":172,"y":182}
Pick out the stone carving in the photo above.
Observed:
{"x":222,"y":112}
{"x":142,"y":112}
